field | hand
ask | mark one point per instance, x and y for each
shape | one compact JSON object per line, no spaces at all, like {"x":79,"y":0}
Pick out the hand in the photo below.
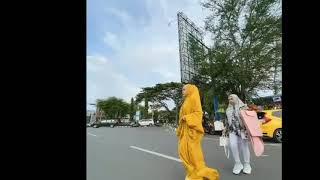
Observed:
{"x":178,"y":132}
{"x":224,"y":131}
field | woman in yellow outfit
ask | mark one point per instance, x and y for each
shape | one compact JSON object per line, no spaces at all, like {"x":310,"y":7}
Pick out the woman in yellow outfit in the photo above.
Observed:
{"x":190,"y":133}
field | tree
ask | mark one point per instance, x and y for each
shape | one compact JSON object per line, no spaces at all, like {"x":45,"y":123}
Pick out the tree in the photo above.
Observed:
{"x":114,"y":108}
{"x":146,"y":108}
{"x":132,"y":109}
{"x":160,"y":94}
{"x":144,"y":95}
{"x":155,"y":115}
{"x":247,"y":46}
{"x":166,"y":117}
{"x":173,"y":91}
{"x":155,"y":110}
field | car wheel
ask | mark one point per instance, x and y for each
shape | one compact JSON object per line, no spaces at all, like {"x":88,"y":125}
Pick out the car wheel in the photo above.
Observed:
{"x":277,"y":135}
{"x":211,"y":132}
{"x":95,"y":126}
{"x":112,"y":126}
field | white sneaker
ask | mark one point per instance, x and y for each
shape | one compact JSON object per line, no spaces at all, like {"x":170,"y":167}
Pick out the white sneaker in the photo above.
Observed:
{"x":237,"y":168}
{"x":247,"y":168}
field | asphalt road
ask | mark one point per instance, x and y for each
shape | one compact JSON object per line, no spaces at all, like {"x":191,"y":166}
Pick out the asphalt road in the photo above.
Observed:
{"x":150,"y":153}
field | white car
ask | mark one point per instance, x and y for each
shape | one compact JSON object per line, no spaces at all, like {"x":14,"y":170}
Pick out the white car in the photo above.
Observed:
{"x":146,"y":122}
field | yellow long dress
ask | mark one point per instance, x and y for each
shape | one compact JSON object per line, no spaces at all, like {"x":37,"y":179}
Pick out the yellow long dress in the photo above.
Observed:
{"x":190,"y":133}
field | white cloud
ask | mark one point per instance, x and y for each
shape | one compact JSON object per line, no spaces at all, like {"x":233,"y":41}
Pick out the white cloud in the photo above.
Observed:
{"x":112,"y":41}
{"x":104,"y":80}
{"x":97,"y":60}
{"x":122,"y":15}
{"x":145,"y":52}
{"x":153,"y":48}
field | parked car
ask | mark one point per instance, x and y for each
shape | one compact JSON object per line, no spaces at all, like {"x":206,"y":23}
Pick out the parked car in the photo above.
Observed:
{"x":134,"y":124}
{"x":122,"y":124}
{"x":146,"y":122}
{"x":105,"y":123}
{"x":271,"y":124}
{"x":158,"y":124}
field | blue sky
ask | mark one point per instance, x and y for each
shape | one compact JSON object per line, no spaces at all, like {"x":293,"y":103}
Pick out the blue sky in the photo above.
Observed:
{"x":130,"y":44}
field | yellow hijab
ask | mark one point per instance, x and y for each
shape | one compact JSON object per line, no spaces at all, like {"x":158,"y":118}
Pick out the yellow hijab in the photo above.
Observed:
{"x":191,"y":109}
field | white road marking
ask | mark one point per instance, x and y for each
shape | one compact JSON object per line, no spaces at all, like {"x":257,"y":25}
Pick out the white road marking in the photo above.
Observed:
{"x":155,"y":153}
{"x":92,"y":134}
{"x":264,"y":155}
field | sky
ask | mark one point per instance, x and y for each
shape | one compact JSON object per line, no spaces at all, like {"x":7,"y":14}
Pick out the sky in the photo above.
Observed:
{"x":133,"y":44}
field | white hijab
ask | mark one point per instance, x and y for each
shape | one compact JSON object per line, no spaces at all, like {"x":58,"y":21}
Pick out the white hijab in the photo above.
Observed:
{"x":237,"y":106}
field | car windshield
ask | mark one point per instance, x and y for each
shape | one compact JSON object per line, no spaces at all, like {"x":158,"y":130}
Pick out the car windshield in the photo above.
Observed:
{"x":277,"y":114}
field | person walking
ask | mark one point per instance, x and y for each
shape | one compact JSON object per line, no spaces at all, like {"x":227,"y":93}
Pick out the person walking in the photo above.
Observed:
{"x":190,"y":134}
{"x":238,"y":135}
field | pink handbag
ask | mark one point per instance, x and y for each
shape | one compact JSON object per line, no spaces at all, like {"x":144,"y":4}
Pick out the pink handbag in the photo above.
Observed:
{"x":252,"y":124}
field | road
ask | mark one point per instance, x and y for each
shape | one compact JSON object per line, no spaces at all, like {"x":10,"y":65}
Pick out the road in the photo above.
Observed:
{"x":150,"y":153}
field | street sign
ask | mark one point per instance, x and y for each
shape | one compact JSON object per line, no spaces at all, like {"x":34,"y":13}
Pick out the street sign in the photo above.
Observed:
{"x":216,"y":108}
{"x":137,"y":116}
